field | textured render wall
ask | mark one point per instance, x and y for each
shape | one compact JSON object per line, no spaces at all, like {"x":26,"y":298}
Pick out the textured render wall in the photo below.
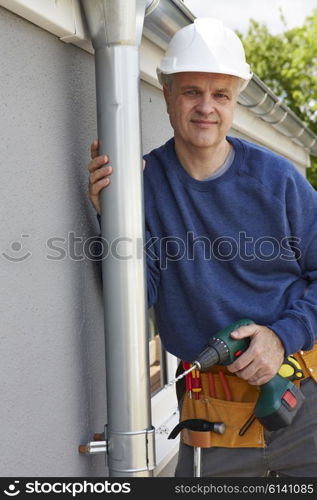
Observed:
{"x":52,"y":377}
{"x":52,"y":348}
{"x":156,"y":129}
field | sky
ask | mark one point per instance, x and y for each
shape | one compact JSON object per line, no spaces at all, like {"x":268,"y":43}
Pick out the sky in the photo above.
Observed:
{"x":236,"y":13}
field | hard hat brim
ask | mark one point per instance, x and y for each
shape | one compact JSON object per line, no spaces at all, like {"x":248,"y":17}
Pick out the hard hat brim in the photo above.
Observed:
{"x":246,"y":78}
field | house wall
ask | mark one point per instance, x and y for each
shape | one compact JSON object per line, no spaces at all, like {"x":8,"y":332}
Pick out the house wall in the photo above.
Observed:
{"x":52,"y":348}
{"x":52,"y":361}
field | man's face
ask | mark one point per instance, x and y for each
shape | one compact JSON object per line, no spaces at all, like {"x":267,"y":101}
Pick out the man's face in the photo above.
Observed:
{"x":201,"y":107}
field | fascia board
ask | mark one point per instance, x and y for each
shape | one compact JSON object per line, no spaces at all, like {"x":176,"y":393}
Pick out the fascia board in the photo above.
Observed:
{"x":62,"y":18}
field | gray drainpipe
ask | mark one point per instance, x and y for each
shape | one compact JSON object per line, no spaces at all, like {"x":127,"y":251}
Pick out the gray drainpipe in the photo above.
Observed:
{"x":115,"y":28}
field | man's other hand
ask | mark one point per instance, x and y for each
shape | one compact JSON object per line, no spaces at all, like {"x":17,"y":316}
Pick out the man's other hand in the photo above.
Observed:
{"x":99,"y":174}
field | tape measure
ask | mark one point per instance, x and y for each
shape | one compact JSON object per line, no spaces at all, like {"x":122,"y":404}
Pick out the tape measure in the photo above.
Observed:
{"x":291,"y":369}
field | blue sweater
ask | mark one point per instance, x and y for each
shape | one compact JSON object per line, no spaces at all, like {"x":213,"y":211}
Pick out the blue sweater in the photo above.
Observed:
{"x":243,"y":245}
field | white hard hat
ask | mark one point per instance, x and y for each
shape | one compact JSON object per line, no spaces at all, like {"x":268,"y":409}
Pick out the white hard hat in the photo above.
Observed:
{"x":206,"y":46}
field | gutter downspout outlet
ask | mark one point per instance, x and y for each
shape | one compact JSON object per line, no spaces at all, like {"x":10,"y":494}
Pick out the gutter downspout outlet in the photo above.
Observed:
{"x":115,"y":28}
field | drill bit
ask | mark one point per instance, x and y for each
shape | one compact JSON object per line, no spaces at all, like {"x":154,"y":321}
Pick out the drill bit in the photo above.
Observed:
{"x":182,"y":375}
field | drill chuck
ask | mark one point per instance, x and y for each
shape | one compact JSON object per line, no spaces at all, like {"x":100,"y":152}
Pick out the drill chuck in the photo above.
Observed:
{"x":216,"y":352}
{"x":222,"y":349}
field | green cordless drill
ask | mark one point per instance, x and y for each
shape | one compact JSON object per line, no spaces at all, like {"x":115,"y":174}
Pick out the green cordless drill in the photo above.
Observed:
{"x":279,"y":399}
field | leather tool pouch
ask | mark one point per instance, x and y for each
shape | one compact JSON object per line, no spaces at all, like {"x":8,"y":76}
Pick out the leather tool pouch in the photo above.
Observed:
{"x":233,"y":414}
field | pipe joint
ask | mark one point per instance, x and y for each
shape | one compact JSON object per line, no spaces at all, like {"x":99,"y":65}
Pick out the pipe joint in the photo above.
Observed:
{"x":114,"y":22}
{"x":150,"y":6}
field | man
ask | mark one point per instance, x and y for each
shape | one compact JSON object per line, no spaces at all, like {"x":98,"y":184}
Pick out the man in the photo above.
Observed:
{"x":247,"y":220}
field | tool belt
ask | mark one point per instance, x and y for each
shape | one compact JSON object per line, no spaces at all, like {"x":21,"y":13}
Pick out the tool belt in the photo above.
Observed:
{"x":308,"y":362}
{"x":234,"y":413}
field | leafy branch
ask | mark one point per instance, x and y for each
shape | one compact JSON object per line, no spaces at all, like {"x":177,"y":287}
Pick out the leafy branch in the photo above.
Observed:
{"x":287,"y":63}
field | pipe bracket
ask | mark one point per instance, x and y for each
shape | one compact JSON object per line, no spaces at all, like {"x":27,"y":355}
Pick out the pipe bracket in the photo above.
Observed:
{"x":93,"y":447}
{"x":120,"y":457}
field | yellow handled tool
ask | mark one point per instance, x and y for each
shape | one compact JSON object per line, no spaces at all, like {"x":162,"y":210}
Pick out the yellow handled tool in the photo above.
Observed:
{"x":291,"y":369}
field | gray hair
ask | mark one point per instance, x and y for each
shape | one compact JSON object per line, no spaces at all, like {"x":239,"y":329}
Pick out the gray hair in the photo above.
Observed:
{"x":168,"y":81}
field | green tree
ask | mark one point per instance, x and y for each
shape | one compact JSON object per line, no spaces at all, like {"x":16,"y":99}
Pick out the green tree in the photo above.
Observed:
{"x":287,"y":63}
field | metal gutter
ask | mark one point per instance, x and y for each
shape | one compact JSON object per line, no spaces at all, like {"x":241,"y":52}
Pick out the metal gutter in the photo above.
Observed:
{"x":163,"y":18}
{"x":265,"y":104}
